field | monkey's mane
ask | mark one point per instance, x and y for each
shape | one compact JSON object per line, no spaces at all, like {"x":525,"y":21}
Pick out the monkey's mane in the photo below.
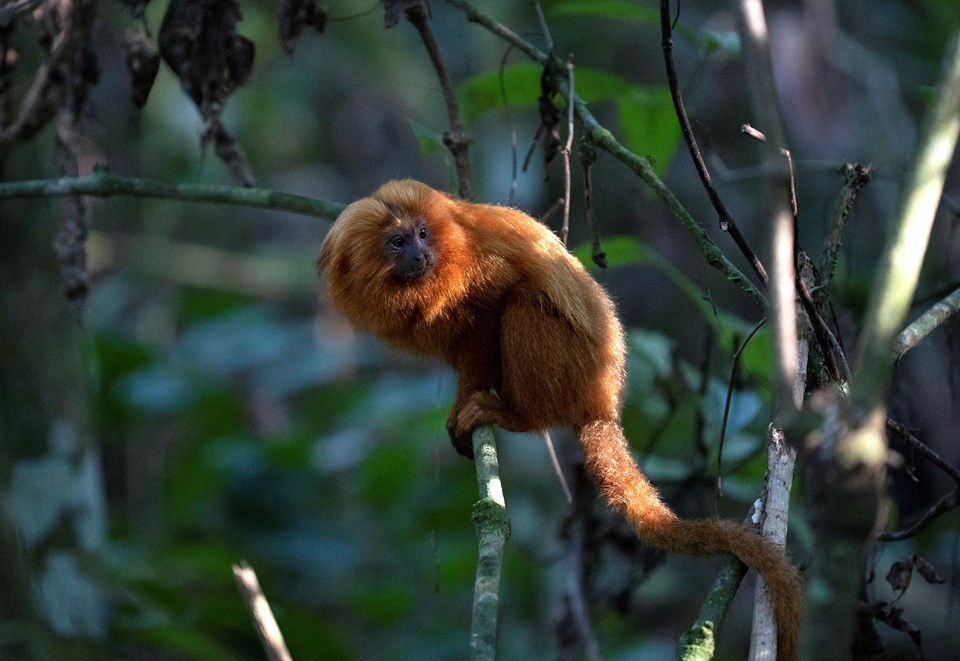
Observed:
{"x":362,"y":282}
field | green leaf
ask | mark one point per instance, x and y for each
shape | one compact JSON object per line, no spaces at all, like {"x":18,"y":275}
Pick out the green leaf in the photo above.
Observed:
{"x":620,"y":250}
{"x":649,"y":124}
{"x":755,"y":358}
{"x":645,"y":112}
{"x":619,"y":9}
{"x":611,"y":8}
{"x":428,"y":140}
{"x":485,"y":91}
{"x":727,"y":42}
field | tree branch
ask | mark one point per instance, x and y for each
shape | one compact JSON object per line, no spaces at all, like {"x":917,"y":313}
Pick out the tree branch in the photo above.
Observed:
{"x":604,"y":139}
{"x":270,"y":635}
{"x":456,"y":138}
{"x":926,"y":323}
{"x":896,"y":278}
{"x":493,"y":530}
{"x":789,"y":353}
{"x":102,"y":183}
{"x":727,"y":224}
{"x":945,"y":504}
{"x":856,"y":176}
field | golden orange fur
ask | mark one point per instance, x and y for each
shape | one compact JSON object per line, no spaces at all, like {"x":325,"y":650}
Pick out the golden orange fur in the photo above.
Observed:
{"x":508,"y":307}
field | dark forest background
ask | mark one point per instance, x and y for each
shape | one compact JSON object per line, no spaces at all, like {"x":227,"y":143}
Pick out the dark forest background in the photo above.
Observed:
{"x":177,"y":397}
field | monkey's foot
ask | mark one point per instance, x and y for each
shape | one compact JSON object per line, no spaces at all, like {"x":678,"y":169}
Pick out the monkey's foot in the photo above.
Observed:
{"x":479,"y":410}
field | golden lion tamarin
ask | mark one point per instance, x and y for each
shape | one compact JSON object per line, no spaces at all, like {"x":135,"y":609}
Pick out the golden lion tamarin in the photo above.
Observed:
{"x":496,"y":295}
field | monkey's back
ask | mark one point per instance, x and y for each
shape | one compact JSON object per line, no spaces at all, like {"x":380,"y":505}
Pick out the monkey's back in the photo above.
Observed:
{"x":561,"y":343}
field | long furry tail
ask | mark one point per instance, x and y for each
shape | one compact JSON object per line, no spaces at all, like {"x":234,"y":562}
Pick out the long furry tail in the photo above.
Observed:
{"x":628,"y":491}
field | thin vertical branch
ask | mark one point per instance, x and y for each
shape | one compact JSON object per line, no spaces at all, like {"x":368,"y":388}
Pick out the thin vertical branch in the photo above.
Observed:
{"x":856,"y":176}
{"x":456,"y":139}
{"x":544,"y":28}
{"x":513,"y":127}
{"x":734,"y":371}
{"x":727,"y":224}
{"x":787,"y":349}
{"x":588,"y":156}
{"x":565,"y":153}
{"x":493,"y":530}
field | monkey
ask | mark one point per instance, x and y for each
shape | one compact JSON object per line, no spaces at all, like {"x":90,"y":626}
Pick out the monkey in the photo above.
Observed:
{"x":535,"y":342}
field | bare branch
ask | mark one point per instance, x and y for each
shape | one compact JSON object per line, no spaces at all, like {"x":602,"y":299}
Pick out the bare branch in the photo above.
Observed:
{"x":727,"y":224}
{"x":856,"y":176}
{"x":945,"y":504}
{"x":565,"y":153}
{"x":456,"y":139}
{"x":788,"y":351}
{"x":926,"y":323}
{"x":270,"y":635}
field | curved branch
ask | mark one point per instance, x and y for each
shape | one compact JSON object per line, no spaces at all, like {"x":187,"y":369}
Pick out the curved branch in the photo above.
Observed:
{"x":945,"y":504}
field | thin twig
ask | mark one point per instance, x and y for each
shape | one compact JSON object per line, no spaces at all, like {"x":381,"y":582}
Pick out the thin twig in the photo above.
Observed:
{"x":544,"y":28}
{"x":565,"y":153}
{"x":856,"y":176}
{"x":513,"y":127}
{"x":829,"y":346}
{"x":945,"y":504}
{"x":456,"y":139}
{"x":555,"y":462}
{"x":734,"y":371}
{"x":926,"y":323}
{"x":588,"y":156}
{"x":263,"y":619}
{"x":727,"y":224}
{"x":915,"y":443}
{"x":576,"y":601}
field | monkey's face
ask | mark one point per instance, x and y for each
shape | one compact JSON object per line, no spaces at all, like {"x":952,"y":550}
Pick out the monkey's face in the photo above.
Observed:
{"x":408,"y":245}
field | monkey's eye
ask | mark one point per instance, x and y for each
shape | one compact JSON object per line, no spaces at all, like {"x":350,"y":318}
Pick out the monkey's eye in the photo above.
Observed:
{"x":397,"y":242}
{"x":423,"y":232}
